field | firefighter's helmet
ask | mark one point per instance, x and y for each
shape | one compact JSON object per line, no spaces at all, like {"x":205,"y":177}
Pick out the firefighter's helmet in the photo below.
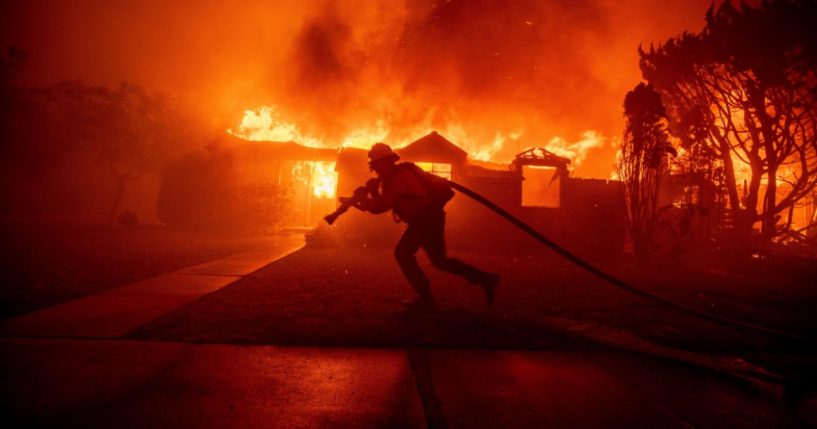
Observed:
{"x":381,"y":151}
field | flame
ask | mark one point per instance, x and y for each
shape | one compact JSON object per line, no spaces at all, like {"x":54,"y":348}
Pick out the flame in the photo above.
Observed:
{"x":324,"y":179}
{"x":487,"y":153}
{"x":364,"y":138}
{"x":263,"y":124}
{"x":576,"y":152}
{"x":320,"y":175}
{"x":266,"y":123}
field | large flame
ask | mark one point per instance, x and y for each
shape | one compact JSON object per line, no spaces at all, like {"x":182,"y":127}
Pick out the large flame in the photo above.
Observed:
{"x":576,"y":152}
{"x":266,"y":123}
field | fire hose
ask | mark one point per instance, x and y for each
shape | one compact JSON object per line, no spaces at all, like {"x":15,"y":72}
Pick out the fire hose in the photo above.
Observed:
{"x":360,"y":194}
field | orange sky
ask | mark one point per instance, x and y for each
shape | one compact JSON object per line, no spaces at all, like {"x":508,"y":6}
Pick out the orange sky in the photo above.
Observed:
{"x":545,"y":69}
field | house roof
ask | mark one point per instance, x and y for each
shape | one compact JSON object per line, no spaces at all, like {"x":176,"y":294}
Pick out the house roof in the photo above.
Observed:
{"x":433,"y":148}
{"x":280,"y":150}
{"x":352,"y":158}
{"x":540,"y":156}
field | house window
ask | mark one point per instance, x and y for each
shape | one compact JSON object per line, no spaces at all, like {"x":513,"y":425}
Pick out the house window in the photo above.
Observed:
{"x":436,"y":168}
{"x":540,"y":187}
{"x":319,"y":176}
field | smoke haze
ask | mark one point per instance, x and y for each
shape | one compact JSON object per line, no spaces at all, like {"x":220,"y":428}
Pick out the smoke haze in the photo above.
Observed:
{"x":483,"y":69}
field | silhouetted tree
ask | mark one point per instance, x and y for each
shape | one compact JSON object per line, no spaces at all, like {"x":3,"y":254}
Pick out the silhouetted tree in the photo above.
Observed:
{"x":642,"y":163}
{"x":744,"y":91}
{"x":132,"y":132}
{"x":59,"y":143}
{"x":35,"y":147}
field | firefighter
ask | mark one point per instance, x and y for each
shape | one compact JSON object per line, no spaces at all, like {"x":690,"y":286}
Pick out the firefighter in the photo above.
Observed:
{"x":417,"y":198}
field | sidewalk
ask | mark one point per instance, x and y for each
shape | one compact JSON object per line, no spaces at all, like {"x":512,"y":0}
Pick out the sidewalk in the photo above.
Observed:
{"x":117,"y":311}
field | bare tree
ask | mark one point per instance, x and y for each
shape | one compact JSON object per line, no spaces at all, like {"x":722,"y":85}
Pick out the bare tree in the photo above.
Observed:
{"x":642,"y":163}
{"x":744,"y":89}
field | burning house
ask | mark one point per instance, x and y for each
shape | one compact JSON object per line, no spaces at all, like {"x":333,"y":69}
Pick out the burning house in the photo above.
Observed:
{"x":586,"y":215}
{"x":306,"y":174}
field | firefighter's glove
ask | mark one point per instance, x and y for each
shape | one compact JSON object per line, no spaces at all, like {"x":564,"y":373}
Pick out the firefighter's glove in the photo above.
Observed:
{"x":360,"y":194}
{"x":372,"y":185}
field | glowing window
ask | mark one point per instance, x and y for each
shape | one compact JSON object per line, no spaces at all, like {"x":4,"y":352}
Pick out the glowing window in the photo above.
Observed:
{"x":540,"y":187}
{"x":436,"y":168}
{"x":319,"y":175}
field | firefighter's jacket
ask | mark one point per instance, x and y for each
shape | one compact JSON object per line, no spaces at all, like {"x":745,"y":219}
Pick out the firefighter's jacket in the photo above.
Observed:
{"x":403,"y":192}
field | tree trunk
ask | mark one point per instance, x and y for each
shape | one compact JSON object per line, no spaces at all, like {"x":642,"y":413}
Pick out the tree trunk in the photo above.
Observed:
{"x":730,"y":180}
{"x":742,"y":219}
{"x":769,"y":221}
{"x":769,"y":203}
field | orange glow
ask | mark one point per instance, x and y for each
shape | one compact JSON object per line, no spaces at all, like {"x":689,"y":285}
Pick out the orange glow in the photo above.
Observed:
{"x":439,"y":169}
{"x":352,"y":73}
{"x":266,"y":123}
{"x":319,"y":175}
{"x":324,"y":179}
{"x":541,"y":186}
{"x":364,"y":138}
{"x":576,"y":152}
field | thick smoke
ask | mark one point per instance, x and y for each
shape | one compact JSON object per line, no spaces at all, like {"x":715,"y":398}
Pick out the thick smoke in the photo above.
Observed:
{"x":480,"y":71}
{"x":490,"y":67}
{"x":477,"y":70}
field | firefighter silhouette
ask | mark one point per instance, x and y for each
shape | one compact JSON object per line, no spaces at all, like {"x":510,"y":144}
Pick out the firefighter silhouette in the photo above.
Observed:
{"x":418,"y":198}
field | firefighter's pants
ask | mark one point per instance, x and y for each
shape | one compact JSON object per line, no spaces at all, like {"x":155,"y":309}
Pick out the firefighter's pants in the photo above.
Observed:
{"x":428,"y":232}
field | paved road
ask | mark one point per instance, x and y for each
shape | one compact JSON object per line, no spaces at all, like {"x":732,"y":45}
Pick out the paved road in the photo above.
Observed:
{"x":117,"y":383}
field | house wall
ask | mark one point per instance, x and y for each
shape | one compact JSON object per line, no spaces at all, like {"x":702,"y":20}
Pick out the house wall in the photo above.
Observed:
{"x":589,"y":221}
{"x":594,"y":216}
